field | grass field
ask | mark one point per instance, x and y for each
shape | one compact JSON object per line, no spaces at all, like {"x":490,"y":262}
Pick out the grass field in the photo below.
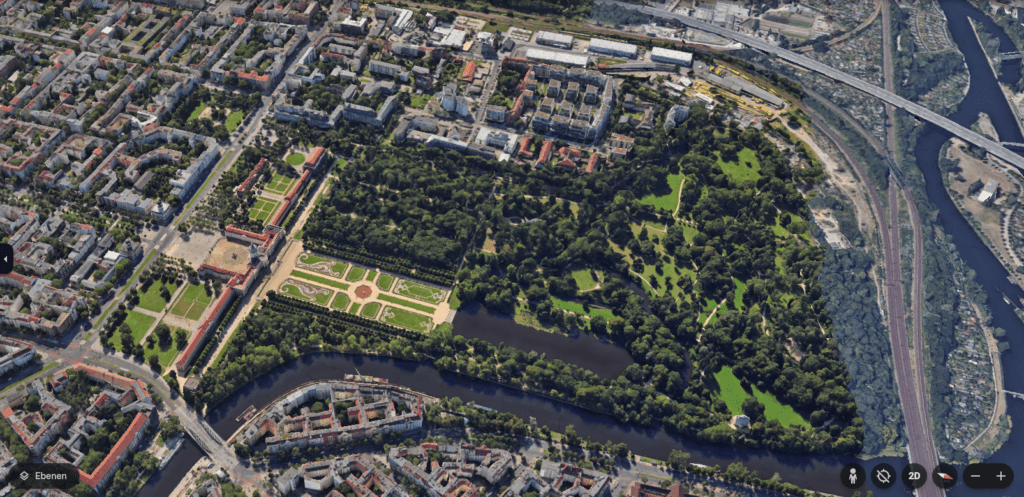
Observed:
{"x":406,"y":303}
{"x":195,"y":113}
{"x":341,"y":301}
{"x":740,"y":288}
{"x":733,"y":394}
{"x":419,"y":291}
{"x":192,"y":302}
{"x":295,"y":159}
{"x":139,"y":324}
{"x":739,"y":170}
{"x":355,"y":274}
{"x":319,"y":279}
{"x":578,"y":308}
{"x":584,"y":279}
{"x":668,"y":201}
{"x":369,"y":311}
{"x":279,"y":184}
{"x":354,"y":309}
{"x":385,"y":281}
{"x":293,"y":291}
{"x":371,"y":275}
{"x":166,"y":354}
{"x":419,"y":101}
{"x":263,"y":209}
{"x":406,"y":319}
{"x":151,"y":300}
{"x":233,"y":120}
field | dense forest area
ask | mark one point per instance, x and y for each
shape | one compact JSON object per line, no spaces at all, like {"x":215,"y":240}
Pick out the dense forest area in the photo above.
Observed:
{"x":733,"y":272}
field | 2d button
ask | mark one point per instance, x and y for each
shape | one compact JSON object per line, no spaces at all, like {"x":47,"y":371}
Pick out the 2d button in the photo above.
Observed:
{"x":853,"y":475}
{"x":914,"y":475}
{"x":944,"y":475}
{"x":988,"y":476}
{"x":883,"y":475}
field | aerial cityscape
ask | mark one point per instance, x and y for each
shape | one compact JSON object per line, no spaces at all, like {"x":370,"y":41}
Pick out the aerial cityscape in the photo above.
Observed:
{"x":460,"y":248}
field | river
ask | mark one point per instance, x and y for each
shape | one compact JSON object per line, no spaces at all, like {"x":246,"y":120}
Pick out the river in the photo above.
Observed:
{"x":815,"y":473}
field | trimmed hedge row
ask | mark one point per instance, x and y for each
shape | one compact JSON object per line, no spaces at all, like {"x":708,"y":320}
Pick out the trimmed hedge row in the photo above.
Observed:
{"x":280,"y":302}
{"x":429,"y":275}
{"x":386,"y":258}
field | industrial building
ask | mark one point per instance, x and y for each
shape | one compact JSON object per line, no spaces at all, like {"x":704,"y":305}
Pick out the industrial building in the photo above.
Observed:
{"x":556,"y":40}
{"x":659,"y":54}
{"x":608,"y":47}
{"x":557,"y":57}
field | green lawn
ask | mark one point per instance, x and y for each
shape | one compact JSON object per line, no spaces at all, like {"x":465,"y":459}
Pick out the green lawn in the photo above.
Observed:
{"x":412,"y":305}
{"x":371,"y":275}
{"x":354,"y":309}
{"x":195,"y":113}
{"x":337,"y":267}
{"x":168,"y":354}
{"x":192,"y":302}
{"x":419,"y":291}
{"x":406,"y":319}
{"x":668,"y":201}
{"x":385,"y":281}
{"x":739,"y":170}
{"x":263,"y":209}
{"x":355,"y":274}
{"x":419,"y":101}
{"x":319,"y":279}
{"x":151,"y":299}
{"x":139,"y":324}
{"x":369,"y":311}
{"x":295,"y":159}
{"x":279,"y":184}
{"x":341,"y":301}
{"x":733,"y":394}
{"x":233,"y":120}
{"x":584,"y":280}
{"x":578,"y":308}
{"x":738,"y":293}
{"x":342,"y":162}
{"x":293,"y":291}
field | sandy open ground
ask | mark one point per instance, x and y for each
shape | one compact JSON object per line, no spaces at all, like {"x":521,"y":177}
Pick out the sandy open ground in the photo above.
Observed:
{"x":229,"y":255}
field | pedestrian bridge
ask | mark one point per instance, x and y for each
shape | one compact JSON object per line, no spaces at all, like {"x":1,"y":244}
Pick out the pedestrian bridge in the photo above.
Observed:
{"x":1014,"y":394}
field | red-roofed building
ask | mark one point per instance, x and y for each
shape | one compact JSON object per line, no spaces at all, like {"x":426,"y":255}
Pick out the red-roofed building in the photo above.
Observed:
{"x":468,"y":72}
{"x":545,"y":152}
{"x":314,"y":159}
{"x":592,"y":163}
{"x":249,"y":180}
{"x":524,"y":147}
{"x":102,"y":474}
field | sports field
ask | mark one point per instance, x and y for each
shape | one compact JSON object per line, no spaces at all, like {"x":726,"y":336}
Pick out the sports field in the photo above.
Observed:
{"x":419,"y":291}
{"x":192,"y":302}
{"x":406,"y":319}
{"x":263,"y":209}
{"x":280,"y":184}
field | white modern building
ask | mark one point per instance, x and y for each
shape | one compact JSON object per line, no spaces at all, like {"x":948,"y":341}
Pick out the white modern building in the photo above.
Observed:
{"x":608,"y":47}
{"x":659,"y":54}
{"x":557,"y":57}
{"x":557,"y":40}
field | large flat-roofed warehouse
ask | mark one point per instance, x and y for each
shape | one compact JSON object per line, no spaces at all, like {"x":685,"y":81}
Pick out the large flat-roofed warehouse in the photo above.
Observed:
{"x":557,"y":57}
{"x":557,"y":40}
{"x":659,"y":54}
{"x":612,"y":48}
